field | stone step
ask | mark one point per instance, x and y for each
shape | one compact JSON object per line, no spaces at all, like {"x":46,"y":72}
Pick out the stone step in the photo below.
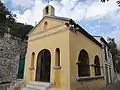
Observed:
{"x":31,"y":86}
{"x":35,"y":85}
{"x":52,"y":89}
{"x":46,"y":84}
{"x":38,"y":89}
{"x":30,"y":89}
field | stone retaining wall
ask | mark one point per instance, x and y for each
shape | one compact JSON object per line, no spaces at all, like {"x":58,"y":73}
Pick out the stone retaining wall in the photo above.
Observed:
{"x":12,"y":49}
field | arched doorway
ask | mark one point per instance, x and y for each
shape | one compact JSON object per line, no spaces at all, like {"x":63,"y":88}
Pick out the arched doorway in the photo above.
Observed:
{"x":43,"y":66}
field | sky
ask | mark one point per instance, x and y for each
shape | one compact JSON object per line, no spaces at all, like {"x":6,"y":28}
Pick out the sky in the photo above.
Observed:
{"x":99,"y":19}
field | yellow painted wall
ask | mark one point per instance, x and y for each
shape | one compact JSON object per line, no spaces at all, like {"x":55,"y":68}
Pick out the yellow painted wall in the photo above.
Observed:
{"x":78,"y":42}
{"x":55,"y":36}
{"x":52,"y":23}
{"x":50,"y":39}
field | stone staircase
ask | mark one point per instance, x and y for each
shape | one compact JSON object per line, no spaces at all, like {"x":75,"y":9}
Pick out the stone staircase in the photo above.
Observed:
{"x":34,"y":85}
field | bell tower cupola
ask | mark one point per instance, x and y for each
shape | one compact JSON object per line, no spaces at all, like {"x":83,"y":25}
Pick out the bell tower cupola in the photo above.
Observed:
{"x":48,"y":11}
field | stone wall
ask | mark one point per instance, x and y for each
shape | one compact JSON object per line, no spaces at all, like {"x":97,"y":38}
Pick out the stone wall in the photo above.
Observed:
{"x":12,"y":49}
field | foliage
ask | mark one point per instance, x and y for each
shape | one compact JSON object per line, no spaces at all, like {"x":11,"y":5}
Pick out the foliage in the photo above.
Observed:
{"x":115,"y":54}
{"x":74,"y":26}
{"x":108,"y":0}
{"x":7,"y":20}
{"x":118,"y":2}
{"x":104,"y":0}
{"x":20,"y":30}
{"x":6,"y":17}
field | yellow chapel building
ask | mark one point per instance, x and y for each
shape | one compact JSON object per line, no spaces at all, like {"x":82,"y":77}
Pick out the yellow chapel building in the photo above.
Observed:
{"x":61,"y":55}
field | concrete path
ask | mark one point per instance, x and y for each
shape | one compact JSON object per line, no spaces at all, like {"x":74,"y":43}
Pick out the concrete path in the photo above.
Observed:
{"x":115,"y":86}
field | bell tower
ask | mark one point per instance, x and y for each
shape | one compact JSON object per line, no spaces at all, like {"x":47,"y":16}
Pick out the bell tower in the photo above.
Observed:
{"x":48,"y":11}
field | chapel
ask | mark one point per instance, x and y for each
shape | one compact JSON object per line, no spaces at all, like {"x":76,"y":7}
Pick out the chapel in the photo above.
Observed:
{"x":61,"y":55}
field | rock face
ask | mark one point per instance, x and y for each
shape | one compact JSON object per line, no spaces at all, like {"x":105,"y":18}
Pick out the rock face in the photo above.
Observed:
{"x":12,"y":49}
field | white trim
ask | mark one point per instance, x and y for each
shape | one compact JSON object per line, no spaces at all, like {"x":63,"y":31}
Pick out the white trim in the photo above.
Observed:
{"x":89,"y":77}
{"x":50,"y":17}
{"x":65,"y":29}
{"x":45,"y":30}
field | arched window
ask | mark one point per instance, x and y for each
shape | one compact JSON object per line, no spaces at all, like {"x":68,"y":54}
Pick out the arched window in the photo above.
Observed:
{"x":57,"y":57}
{"x":32,"y":60}
{"x":45,"y":25}
{"x":83,"y":64}
{"x":47,"y":10}
{"x":97,"y":66}
{"x":105,"y":52}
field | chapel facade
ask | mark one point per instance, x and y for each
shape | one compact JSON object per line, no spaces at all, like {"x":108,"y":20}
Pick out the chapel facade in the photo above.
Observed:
{"x":61,"y":55}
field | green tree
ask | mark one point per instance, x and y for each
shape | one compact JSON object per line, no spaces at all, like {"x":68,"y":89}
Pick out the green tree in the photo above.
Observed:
{"x":115,"y":54}
{"x":20,"y":30}
{"x":104,"y":0}
{"x":6,"y":17}
{"x":118,"y":2}
{"x":7,"y":20}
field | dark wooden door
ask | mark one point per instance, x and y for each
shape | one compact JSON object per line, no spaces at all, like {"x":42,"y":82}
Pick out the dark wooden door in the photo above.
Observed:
{"x":43,"y":66}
